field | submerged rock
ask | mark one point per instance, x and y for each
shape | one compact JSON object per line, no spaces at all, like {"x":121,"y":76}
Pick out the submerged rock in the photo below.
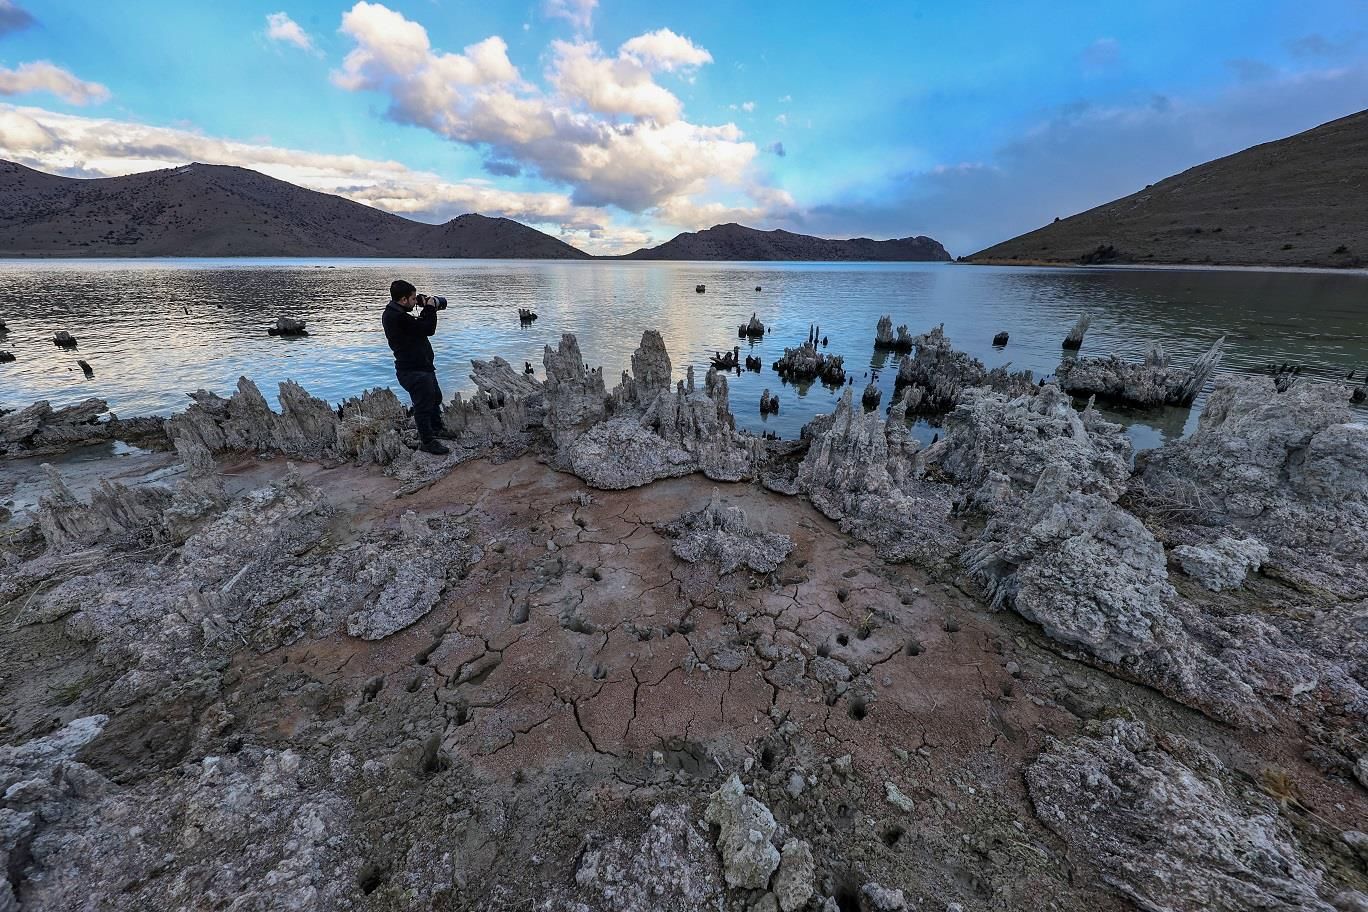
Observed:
{"x":939,"y":374}
{"x":1152,"y":382}
{"x":1157,"y":817}
{"x":1074,"y":340}
{"x":718,"y":534}
{"x":885,"y":340}
{"x":753,"y":329}
{"x":805,"y":364}
{"x":287,"y":326}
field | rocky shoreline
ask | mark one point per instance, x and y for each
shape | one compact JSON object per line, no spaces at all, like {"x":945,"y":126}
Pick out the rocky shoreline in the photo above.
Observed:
{"x":613,"y":653}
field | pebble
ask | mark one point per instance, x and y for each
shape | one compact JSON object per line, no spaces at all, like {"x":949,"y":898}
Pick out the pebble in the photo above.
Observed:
{"x":897,"y":798}
{"x":796,"y":783}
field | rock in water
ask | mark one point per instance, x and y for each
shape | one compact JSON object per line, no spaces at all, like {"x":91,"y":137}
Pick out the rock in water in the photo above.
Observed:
{"x":1000,"y":339}
{"x":1150,"y":383}
{"x":718,"y":534}
{"x":940,"y":373}
{"x":1074,"y":340}
{"x":886,"y":341}
{"x":805,"y":363}
{"x":752,"y":330}
{"x":6,"y":357}
{"x":287,"y":326}
{"x":63,"y":339}
{"x":1158,"y":818}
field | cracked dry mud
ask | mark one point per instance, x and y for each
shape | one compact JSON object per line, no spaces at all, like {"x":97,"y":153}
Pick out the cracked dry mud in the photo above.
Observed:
{"x":556,"y":699}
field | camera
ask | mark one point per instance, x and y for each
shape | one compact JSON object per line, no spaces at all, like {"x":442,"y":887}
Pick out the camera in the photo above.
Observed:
{"x":436,"y":302}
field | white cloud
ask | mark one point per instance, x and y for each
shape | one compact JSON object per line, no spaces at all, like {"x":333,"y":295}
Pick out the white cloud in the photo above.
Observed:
{"x":748,"y":106}
{"x":104,"y":147}
{"x":573,"y":132}
{"x":664,"y":51}
{"x":610,"y":85}
{"x":579,"y":13}
{"x":786,"y":99}
{"x":41,"y":76}
{"x":280,"y":27}
{"x":782,"y":120}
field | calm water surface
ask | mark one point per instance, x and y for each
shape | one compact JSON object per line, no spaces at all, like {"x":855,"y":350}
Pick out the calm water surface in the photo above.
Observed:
{"x":154,"y":330}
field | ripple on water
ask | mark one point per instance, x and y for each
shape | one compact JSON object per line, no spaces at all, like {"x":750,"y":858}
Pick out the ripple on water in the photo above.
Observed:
{"x":154,"y":330}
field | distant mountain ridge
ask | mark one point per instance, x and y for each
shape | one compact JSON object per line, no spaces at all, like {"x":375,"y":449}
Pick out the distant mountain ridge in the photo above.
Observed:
{"x":737,"y":242}
{"x":219,"y":210}
{"x":1298,"y":201}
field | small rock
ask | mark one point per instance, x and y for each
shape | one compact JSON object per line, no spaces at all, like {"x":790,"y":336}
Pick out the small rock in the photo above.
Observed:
{"x":766,"y":903}
{"x":745,"y":829}
{"x":897,"y":798}
{"x":795,"y":784}
{"x":875,"y":898}
{"x":793,"y":884}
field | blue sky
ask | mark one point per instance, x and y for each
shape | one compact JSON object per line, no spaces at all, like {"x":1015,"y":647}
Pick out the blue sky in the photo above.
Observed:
{"x":616,"y":123}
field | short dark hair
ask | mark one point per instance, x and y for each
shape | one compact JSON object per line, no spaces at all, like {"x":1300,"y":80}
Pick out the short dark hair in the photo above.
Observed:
{"x":399,"y":289}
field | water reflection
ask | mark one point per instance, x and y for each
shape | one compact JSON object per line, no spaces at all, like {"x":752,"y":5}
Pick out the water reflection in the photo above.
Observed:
{"x":153,"y":330}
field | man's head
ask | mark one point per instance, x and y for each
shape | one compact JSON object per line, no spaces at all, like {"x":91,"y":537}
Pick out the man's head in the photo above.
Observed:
{"x":403,"y":293}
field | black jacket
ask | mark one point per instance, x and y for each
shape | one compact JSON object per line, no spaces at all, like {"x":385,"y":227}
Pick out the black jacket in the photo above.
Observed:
{"x":408,"y":337}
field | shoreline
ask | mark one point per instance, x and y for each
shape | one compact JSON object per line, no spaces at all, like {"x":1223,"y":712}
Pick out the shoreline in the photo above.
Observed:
{"x":609,"y":619}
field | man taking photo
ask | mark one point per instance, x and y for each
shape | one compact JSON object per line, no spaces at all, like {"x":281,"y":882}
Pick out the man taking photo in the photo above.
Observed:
{"x":413,"y":365}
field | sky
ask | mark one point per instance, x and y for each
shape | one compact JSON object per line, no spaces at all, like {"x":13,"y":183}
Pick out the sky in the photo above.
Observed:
{"x":616,"y":124}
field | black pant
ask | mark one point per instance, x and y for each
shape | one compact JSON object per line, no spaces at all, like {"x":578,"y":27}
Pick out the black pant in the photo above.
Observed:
{"x":427,"y":401}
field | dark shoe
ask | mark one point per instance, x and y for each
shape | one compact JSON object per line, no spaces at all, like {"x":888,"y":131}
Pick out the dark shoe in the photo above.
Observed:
{"x":445,"y":435}
{"x":435,"y":448}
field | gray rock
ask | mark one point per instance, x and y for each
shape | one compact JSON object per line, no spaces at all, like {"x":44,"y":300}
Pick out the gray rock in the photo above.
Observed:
{"x":575,"y":396}
{"x":895,"y":797}
{"x":1152,"y":382}
{"x":876,"y":898}
{"x":862,"y":472}
{"x":998,"y":447}
{"x":718,"y":534}
{"x":1158,"y":821}
{"x":671,"y":867}
{"x":1224,"y":564}
{"x":793,"y":883}
{"x":939,"y":375}
{"x":746,"y":828}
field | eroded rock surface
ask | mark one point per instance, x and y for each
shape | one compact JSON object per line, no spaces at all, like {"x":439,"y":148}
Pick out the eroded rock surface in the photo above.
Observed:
{"x":938,"y":374}
{"x":719,"y":534}
{"x":1153,"y":381}
{"x":1160,"y":820}
{"x":250,"y":686}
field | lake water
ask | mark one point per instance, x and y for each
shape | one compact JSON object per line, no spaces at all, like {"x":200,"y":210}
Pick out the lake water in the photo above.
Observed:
{"x":154,"y":330}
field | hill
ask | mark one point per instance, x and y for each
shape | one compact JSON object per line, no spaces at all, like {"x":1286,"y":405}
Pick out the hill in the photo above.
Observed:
{"x":737,"y":242}
{"x":216,"y":210}
{"x":1299,"y":201}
